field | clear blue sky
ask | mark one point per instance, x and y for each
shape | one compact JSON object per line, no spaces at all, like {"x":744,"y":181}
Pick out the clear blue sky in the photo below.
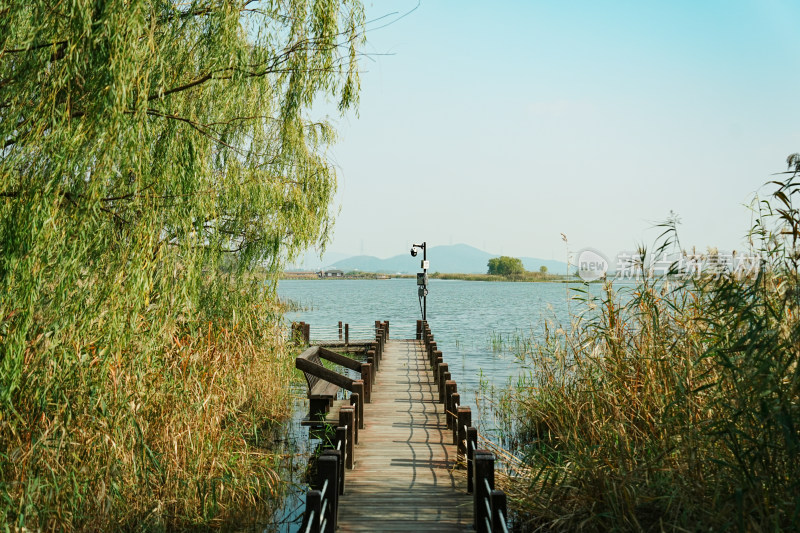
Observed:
{"x":504,"y":124}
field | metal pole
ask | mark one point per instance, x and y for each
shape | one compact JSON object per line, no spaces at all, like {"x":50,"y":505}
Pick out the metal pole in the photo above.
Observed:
{"x":425,"y":294}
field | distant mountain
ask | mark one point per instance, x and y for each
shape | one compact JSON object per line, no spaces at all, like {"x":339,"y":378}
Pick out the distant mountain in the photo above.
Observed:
{"x":403,"y":263}
{"x":311,"y":260}
{"x":456,"y":258}
{"x":533,"y":264}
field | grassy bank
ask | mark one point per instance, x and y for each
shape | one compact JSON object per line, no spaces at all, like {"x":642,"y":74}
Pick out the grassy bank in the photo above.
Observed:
{"x":673,"y":408}
{"x":526,"y":276}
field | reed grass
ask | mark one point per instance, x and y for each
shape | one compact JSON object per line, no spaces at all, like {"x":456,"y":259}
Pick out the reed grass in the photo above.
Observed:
{"x":135,"y":437}
{"x":673,"y":408}
{"x":516,"y":342}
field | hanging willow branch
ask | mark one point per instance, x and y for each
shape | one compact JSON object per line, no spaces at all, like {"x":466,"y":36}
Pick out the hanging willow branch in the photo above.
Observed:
{"x":159,"y":162}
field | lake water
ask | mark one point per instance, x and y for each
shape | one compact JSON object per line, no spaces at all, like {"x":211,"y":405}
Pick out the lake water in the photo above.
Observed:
{"x":469,"y":319}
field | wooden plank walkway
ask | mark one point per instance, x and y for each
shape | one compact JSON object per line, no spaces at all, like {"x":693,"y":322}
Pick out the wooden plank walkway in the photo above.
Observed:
{"x":404,"y":478}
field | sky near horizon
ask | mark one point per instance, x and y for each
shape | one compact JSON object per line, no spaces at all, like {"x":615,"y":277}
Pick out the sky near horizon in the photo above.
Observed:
{"x":503,"y":125}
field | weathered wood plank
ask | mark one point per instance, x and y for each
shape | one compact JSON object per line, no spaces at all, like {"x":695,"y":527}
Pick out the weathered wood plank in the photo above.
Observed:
{"x":404,"y":478}
{"x":323,"y":373}
{"x":339,"y":359}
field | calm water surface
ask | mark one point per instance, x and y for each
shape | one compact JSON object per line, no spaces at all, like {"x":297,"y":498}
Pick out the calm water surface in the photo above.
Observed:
{"x":475,"y":323}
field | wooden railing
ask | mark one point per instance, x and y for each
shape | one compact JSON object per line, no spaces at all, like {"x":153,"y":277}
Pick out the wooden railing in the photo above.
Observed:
{"x":322,"y":504}
{"x":328,"y":482}
{"x":489,"y":505}
{"x":341,"y":334}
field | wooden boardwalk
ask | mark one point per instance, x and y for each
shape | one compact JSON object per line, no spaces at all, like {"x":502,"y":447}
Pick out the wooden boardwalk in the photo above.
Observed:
{"x":404,"y":478}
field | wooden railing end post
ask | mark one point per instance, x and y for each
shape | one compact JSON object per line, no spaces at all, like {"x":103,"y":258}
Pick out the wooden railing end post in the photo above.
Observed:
{"x":484,"y":475}
{"x":464,"y":421}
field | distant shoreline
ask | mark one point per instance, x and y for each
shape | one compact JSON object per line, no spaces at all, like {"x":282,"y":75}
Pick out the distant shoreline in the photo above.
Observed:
{"x":528,"y":277}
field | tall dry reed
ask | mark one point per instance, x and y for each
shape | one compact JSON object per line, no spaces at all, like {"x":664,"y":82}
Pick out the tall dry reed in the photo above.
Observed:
{"x":144,"y":439}
{"x":673,"y":406}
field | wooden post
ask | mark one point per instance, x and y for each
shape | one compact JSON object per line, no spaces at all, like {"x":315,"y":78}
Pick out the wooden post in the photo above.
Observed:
{"x":443,"y":387}
{"x":339,"y":456}
{"x":386,"y":327}
{"x":437,"y":354}
{"x":443,"y":390}
{"x":327,"y":469}
{"x":464,"y":421}
{"x":307,"y":333}
{"x":498,"y":498}
{"x":472,"y":445}
{"x":436,"y":373}
{"x":419,"y":330}
{"x":313,"y":510}
{"x":347,"y":419}
{"x":443,"y":367}
{"x":484,"y":470}
{"x":375,"y":349}
{"x":346,"y":335}
{"x":366,"y":377}
{"x":449,"y":388}
{"x":341,"y":437}
{"x":373,"y":363}
{"x":340,"y":330}
{"x":358,"y":392}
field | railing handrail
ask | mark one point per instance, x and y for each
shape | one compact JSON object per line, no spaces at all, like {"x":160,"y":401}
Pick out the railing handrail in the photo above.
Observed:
{"x":321,"y":511}
{"x":310,"y":521}
{"x":489,"y":504}
{"x":325,"y":502}
{"x":490,"y":513}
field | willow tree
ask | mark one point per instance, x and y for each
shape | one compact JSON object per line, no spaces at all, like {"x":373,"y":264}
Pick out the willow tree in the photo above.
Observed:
{"x":144,"y":146}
